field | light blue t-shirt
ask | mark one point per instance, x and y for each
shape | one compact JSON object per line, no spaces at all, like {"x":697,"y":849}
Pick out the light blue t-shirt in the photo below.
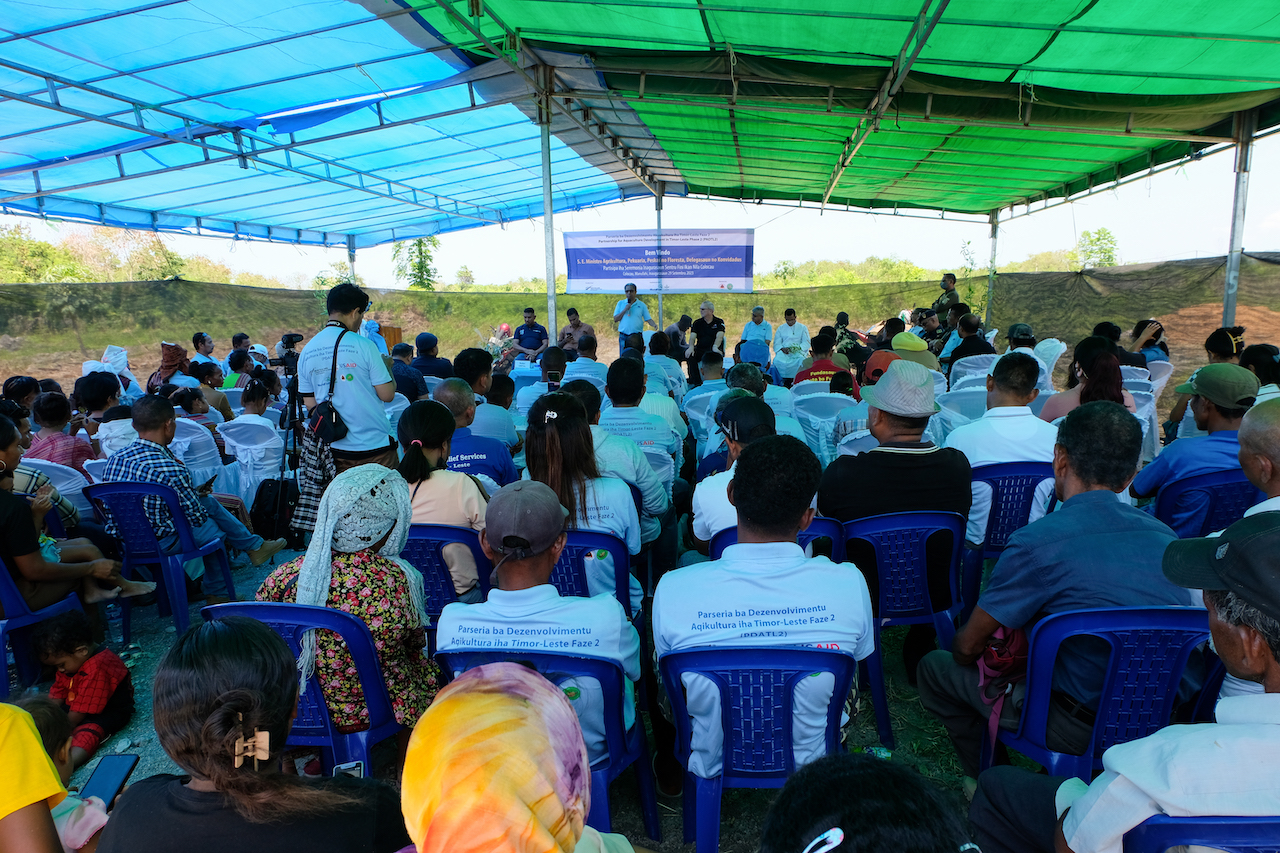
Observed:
{"x":634,"y":319}
{"x":360,"y":368}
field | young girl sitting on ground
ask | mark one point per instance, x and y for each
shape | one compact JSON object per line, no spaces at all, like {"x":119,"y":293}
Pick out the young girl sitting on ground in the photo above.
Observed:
{"x":93,"y":685}
{"x":78,"y":821}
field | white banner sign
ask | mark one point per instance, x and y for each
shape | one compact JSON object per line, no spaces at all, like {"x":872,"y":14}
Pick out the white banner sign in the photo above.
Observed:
{"x":680,"y":260}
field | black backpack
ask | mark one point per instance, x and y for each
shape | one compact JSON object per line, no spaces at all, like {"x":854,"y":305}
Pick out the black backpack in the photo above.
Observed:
{"x":271,"y":515}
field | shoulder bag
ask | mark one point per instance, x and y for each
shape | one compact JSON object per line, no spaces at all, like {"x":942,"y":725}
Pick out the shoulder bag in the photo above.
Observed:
{"x":326,"y":423}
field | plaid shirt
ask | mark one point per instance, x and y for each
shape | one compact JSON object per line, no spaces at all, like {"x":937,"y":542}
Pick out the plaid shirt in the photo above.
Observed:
{"x":29,"y":481}
{"x":147,"y":462}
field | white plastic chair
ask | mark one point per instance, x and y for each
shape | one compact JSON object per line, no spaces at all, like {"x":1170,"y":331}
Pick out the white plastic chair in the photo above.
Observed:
{"x":395,"y":409}
{"x":1049,"y":351}
{"x":1132,"y":371}
{"x":809,"y":387}
{"x":817,"y":415}
{"x":68,"y":481}
{"x":939,"y":382}
{"x":258,"y":450}
{"x":972,"y":365}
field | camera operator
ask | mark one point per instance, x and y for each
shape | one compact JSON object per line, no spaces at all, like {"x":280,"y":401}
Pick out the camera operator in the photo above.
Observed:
{"x":362,"y":384}
{"x":287,"y":354}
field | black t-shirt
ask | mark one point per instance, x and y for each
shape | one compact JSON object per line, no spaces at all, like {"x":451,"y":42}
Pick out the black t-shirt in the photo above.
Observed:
{"x":705,"y":335}
{"x":1130,"y":359}
{"x":899,"y":478}
{"x":973,"y":345}
{"x":433,"y":366}
{"x":162,"y":815}
{"x":18,"y":535}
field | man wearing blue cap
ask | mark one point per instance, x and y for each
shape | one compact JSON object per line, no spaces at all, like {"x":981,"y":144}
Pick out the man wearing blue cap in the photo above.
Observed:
{"x":429,"y":362}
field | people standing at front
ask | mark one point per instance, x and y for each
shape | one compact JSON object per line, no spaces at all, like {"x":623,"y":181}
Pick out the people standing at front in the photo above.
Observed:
{"x":340,"y":367}
{"x":631,"y":315}
{"x":707,"y":333}
{"x":949,"y":297}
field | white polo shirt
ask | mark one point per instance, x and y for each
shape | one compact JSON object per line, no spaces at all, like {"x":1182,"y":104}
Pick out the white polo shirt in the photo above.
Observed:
{"x":495,"y":422}
{"x":610,"y":509}
{"x":540,"y":620}
{"x":762,"y":596}
{"x":622,"y":458}
{"x":712,"y":511}
{"x":1004,"y":434}
{"x":586,"y":367}
{"x":527,"y":396}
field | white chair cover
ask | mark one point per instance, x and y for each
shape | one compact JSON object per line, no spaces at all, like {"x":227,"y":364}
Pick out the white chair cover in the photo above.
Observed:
{"x":1049,"y":351}
{"x":663,"y":465}
{"x":817,"y":414}
{"x":972,"y":365}
{"x":68,"y":481}
{"x":939,"y":382}
{"x":233,"y":399}
{"x":991,"y":336}
{"x":194,"y":446}
{"x":973,"y":380}
{"x":1160,"y":372}
{"x":780,"y":400}
{"x":1132,"y":371}
{"x":957,"y":409}
{"x":856,"y":442}
{"x":1143,"y":385}
{"x":394,"y":410}
{"x":258,"y":450}
{"x":1146,"y":402}
{"x":809,"y":387}
{"x":433,"y":382}
{"x":95,"y":467}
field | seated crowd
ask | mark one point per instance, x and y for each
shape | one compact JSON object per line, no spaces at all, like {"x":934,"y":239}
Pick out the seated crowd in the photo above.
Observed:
{"x":706,"y":459}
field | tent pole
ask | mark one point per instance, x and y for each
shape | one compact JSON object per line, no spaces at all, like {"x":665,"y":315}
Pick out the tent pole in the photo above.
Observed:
{"x":994,"y":219}
{"x":657,"y":206}
{"x":1246,"y":124}
{"x":548,"y":233}
{"x":351,"y":255}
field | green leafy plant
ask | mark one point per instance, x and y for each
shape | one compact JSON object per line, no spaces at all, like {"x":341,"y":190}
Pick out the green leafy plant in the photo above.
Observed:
{"x":412,"y":259}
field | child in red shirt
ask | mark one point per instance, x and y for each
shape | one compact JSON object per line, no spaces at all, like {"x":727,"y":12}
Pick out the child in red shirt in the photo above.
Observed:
{"x":93,"y":685}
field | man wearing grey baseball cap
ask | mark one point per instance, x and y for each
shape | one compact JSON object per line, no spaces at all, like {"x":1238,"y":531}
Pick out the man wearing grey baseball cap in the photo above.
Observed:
{"x":1231,"y":767}
{"x":523,"y":536}
{"x":1221,"y":394}
{"x":906,"y":473}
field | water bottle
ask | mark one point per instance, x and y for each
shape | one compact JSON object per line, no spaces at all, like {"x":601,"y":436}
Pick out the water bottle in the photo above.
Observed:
{"x":115,"y":625}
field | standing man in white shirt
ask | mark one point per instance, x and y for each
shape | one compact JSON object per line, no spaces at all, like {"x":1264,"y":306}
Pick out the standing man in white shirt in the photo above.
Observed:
{"x":1231,"y":767}
{"x":523,"y":535}
{"x":1008,"y":432}
{"x":790,"y":345}
{"x":362,"y":383}
{"x":631,"y":315}
{"x":759,"y":585}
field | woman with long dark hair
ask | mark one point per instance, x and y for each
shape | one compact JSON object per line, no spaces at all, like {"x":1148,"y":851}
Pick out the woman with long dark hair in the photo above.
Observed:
{"x":1263,"y":360}
{"x":1149,"y":341}
{"x":224,"y":698}
{"x":560,"y":452}
{"x":1098,"y":371}
{"x":438,"y":495}
{"x":1223,"y":346}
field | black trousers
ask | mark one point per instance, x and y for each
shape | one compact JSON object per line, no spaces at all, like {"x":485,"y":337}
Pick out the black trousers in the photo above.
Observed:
{"x":1013,"y":811}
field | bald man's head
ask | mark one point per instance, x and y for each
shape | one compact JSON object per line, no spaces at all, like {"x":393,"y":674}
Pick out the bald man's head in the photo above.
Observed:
{"x":1260,"y":446}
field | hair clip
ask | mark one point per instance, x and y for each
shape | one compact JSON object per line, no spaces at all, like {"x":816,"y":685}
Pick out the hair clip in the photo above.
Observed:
{"x":828,"y":840}
{"x":549,"y":416}
{"x":257,"y":747}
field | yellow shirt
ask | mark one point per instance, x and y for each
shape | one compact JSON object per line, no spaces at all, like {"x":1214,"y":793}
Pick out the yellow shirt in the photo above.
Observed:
{"x":29,"y":775}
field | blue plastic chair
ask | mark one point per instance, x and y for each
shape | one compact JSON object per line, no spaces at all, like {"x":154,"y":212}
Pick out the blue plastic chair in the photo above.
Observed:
{"x":626,"y":748}
{"x":756,"y":353}
{"x":1149,"y":651}
{"x":820,"y":528}
{"x":569,"y":576}
{"x":1013,"y":487}
{"x":1232,"y":834}
{"x":313,"y":726}
{"x":756,"y":694}
{"x":899,"y":540}
{"x":423,"y":550}
{"x":18,"y":621}
{"x":126,"y":503}
{"x":1225,"y":495}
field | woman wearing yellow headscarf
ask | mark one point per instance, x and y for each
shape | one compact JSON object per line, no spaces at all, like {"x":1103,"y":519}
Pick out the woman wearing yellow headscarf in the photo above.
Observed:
{"x":498,"y":765}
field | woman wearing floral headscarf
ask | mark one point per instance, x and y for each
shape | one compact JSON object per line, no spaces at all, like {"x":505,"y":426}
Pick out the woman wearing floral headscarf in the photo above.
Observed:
{"x":353,"y":565}
{"x":498,"y":765}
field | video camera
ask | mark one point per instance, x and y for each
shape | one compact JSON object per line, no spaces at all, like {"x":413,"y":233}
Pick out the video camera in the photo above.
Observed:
{"x":289,"y":360}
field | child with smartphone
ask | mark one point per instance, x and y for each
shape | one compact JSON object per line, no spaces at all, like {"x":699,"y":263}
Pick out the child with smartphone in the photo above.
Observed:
{"x":78,"y":821}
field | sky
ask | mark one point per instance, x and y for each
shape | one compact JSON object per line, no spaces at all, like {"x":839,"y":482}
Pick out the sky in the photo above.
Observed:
{"x":1180,"y":213}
